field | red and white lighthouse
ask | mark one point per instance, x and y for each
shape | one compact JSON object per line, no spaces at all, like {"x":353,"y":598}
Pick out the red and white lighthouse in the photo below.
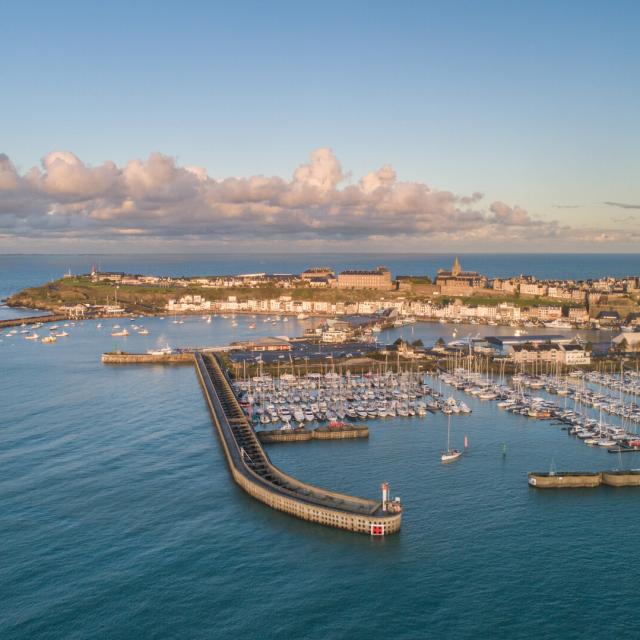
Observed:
{"x":385,"y":495}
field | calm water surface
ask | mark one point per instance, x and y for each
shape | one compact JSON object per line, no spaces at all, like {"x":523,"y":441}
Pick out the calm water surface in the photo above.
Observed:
{"x":119,"y":519}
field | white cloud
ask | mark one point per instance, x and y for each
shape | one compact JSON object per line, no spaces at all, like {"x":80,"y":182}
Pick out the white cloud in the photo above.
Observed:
{"x":65,"y":198}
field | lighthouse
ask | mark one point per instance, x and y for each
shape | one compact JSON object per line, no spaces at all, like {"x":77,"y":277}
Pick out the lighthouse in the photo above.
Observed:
{"x":385,"y":495}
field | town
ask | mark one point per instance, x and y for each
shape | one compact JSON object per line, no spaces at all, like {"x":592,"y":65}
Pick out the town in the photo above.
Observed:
{"x":451,"y":296}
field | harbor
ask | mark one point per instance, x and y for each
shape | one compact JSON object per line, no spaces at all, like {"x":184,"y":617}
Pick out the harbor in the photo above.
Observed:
{"x":150,"y":435}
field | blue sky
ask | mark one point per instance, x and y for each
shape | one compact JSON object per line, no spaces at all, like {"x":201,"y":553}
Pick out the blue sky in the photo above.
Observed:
{"x":531,"y":104}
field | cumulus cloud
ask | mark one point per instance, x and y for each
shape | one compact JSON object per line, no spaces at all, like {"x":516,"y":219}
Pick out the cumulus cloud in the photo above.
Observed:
{"x":506,"y":215}
{"x":156,"y":198}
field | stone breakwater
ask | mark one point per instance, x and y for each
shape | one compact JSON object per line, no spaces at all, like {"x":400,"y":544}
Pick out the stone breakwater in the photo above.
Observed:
{"x":347,"y":432}
{"x":584,"y":479}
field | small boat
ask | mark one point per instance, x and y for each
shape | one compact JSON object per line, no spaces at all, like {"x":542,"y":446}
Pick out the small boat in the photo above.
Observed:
{"x":61,"y":334}
{"x":48,"y":339}
{"x":32,"y":336}
{"x":450,"y":454}
{"x":252,"y":325}
{"x":143,"y":332}
{"x":165,"y":351}
{"x":123,"y":332}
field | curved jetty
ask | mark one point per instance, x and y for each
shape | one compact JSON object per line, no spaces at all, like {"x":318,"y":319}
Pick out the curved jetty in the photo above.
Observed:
{"x":251,"y":468}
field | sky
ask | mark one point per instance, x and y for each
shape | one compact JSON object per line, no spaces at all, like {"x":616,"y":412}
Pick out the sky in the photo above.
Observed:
{"x":289,"y":126}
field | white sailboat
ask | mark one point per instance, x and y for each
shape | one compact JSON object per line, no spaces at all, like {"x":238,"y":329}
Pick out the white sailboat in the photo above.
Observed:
{"x":450,"y":454}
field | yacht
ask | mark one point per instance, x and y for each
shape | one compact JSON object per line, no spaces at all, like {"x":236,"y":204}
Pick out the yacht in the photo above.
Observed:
{"x":165,"y":351}
{"x":450,"y":454}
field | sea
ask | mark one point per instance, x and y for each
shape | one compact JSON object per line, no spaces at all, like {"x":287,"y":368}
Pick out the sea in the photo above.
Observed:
{"x":119,"y":518}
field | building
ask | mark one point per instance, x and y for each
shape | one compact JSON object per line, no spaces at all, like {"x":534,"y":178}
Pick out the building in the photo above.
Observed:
{"x":543,"y":352}
{"x":608,"y":317}
{"x":262,"y":344}
{"x":533,"y":289}
{"x":503,"y":343}
{"x":379,"y":278}
{"x":74,"y":310}
{"x":108,"y":276}
{"x":459,"y":282}
{"x":317,"y":272}
{"x":575,"y":354}
{"x":567,"y":354}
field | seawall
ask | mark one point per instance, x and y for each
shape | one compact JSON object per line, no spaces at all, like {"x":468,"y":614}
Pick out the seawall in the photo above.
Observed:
{"x":147,"y":358}
{"x":321,"y":433}
{"x":582,"y":479}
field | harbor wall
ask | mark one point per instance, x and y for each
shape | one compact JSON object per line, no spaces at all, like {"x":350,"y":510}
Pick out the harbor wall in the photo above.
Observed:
{"x":147,"y":358}
{"x":279,"y":497}
{"x":17,"y":322}
{"x":621,"y":478}
{"x":304,"y":435}
{"x":577,"y":479}
{"x":565,"y":480}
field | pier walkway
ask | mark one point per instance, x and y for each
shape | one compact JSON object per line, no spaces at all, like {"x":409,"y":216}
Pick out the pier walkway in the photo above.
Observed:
{"x":254,"y":472}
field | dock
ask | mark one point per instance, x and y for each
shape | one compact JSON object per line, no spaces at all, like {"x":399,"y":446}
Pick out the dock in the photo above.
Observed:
{"x":252,"y":470}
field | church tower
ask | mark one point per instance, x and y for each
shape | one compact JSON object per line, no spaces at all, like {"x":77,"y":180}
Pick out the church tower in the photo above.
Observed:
{"x":455,"y":271}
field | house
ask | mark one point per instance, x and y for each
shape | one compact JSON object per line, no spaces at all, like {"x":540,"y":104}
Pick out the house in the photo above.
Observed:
{"x":609,"y":317}
{"x":575,"y":354}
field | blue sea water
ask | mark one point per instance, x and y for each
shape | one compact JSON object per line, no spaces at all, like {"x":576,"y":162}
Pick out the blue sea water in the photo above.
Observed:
{"x":119,"y":519}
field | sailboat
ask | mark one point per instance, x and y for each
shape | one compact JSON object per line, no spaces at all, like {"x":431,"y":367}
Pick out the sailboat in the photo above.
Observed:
{"x":450,"y":454}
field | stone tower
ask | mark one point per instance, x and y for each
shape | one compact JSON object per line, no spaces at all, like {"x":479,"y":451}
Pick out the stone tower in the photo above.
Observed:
{"x":455,"y":271}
